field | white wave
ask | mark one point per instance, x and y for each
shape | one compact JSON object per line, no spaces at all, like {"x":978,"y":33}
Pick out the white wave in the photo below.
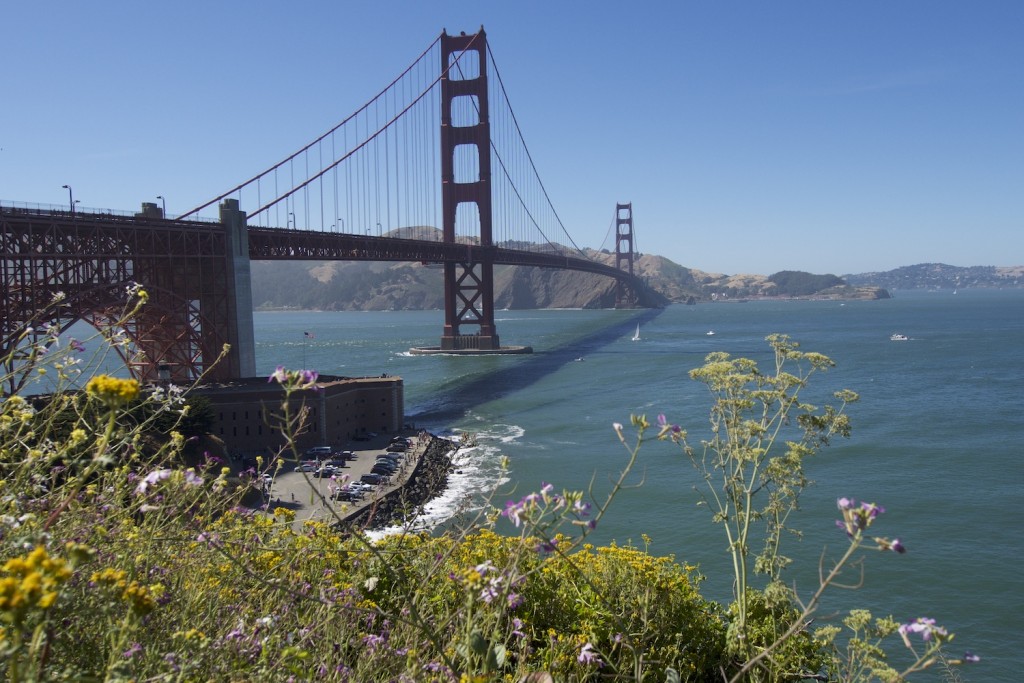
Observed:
{"x":476,"y":472}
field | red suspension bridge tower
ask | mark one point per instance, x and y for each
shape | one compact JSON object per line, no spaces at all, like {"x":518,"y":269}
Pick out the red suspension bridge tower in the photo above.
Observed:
{"x":468,"y":284}
{"x":625,"y":296}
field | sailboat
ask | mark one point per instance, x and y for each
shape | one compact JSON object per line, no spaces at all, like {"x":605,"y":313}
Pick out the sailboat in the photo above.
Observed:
{"x":636,"y":335}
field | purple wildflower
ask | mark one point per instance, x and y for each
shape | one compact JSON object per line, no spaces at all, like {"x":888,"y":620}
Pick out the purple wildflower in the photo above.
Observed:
{"x":925,"y":626}
{"x":857,"y":519}
{"x":151,"y":480}
{"x":373,"y":641}
{"x":547,"y":546}
{"x":489,"y":592}
{"x":665,"y":427}
{"x":209,"y":538}
{"x":280,"y":375}
{"x":871,"y":510}
{"x":76,"y":345}
{"x":580,"y":508}
{"x":133,"y":650}
{"x":513,"y":511}
{"x":588,"y":656}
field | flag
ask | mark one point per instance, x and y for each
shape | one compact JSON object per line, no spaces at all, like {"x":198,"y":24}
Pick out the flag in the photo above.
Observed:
{"x":309,"y":334}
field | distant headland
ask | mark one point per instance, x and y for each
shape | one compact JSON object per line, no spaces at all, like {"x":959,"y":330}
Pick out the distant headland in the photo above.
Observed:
{"x":372,"y":286}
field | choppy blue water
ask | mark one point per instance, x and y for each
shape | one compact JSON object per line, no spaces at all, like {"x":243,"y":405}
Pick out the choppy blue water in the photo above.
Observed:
{"x":937,"y":435}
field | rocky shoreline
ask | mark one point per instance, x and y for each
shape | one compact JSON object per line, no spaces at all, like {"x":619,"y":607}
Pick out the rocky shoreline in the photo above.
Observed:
{"x":428,"y":480}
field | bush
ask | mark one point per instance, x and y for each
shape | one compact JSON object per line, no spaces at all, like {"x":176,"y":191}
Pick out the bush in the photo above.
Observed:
{"x":122,"y":563}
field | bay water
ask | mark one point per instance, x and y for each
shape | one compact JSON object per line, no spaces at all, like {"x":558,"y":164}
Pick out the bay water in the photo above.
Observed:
{"x":938,"y":433}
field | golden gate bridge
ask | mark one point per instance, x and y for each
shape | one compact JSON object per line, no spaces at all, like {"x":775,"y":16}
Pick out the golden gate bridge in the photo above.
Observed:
{"x":433,"y":168}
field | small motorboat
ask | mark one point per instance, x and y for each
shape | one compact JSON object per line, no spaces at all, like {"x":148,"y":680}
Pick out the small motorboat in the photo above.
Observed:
{"x":898,"y":337}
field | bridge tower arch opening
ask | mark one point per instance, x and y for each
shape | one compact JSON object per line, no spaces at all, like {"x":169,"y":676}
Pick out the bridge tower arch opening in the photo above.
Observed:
{"x":625,"y":294}
{"x":59,"y":268}
{"x":469,"y":283}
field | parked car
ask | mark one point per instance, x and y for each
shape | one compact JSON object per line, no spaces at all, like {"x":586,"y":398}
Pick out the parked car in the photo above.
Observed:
{"x":324,"y":471}
{"x":347,"y":493}
{"x":372,"y":479}
{"x":382,"y":470}
{"x":397,"y":448}
{"x":387,"y":462}
{"x":336,"y":462}
{"x":308,"y":466}
{"x":318,"y":452}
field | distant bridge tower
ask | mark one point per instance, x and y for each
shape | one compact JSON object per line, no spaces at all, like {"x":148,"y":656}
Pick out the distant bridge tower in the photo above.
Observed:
{"x":468,"y":285}
{"x":625,"y":295}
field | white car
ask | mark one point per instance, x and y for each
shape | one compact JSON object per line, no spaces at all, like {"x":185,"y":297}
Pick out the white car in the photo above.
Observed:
{"x":308,"y":466}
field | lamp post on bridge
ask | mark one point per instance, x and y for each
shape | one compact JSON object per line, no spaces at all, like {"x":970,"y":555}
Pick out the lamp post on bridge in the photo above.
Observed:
{"x":380,"y":230}
{"x":163,"y":203}
{"x":71,"y":197}
{"x":291,"y":219}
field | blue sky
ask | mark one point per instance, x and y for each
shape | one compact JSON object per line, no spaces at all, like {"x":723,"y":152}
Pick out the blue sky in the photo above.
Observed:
{"x":751,"y":137}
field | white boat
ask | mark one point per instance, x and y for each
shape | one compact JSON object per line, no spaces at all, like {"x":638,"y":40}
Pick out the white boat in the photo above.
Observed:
{"x":898,"y":337}
{"x":636,"y":335}
{"x":711,"y":333}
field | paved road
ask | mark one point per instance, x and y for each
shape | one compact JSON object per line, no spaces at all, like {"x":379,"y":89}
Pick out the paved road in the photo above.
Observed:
{"x":310,"y":496}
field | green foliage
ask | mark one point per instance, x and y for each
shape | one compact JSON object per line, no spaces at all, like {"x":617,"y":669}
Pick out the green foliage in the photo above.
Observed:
{"x":119,"y":563}
{"x":748,"y":486}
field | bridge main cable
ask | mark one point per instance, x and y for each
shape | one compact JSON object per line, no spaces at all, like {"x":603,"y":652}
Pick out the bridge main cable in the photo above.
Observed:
{"x":320,"y":139}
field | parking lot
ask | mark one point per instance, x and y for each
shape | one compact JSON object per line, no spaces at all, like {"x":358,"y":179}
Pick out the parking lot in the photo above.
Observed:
{"x":312,"y":496}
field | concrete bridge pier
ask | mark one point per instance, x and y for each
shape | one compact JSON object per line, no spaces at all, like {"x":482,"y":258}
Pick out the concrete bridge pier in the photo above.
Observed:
{"x":241,"y":360}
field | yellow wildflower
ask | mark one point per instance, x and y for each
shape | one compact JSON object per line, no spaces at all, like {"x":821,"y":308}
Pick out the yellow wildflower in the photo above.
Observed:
{"x":112,"y":390}
{"x":31,"y":581}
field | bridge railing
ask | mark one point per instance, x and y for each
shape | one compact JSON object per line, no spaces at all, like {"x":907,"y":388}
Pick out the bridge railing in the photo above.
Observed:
{"x":36,"y":208}
{"x":30,"y":207}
